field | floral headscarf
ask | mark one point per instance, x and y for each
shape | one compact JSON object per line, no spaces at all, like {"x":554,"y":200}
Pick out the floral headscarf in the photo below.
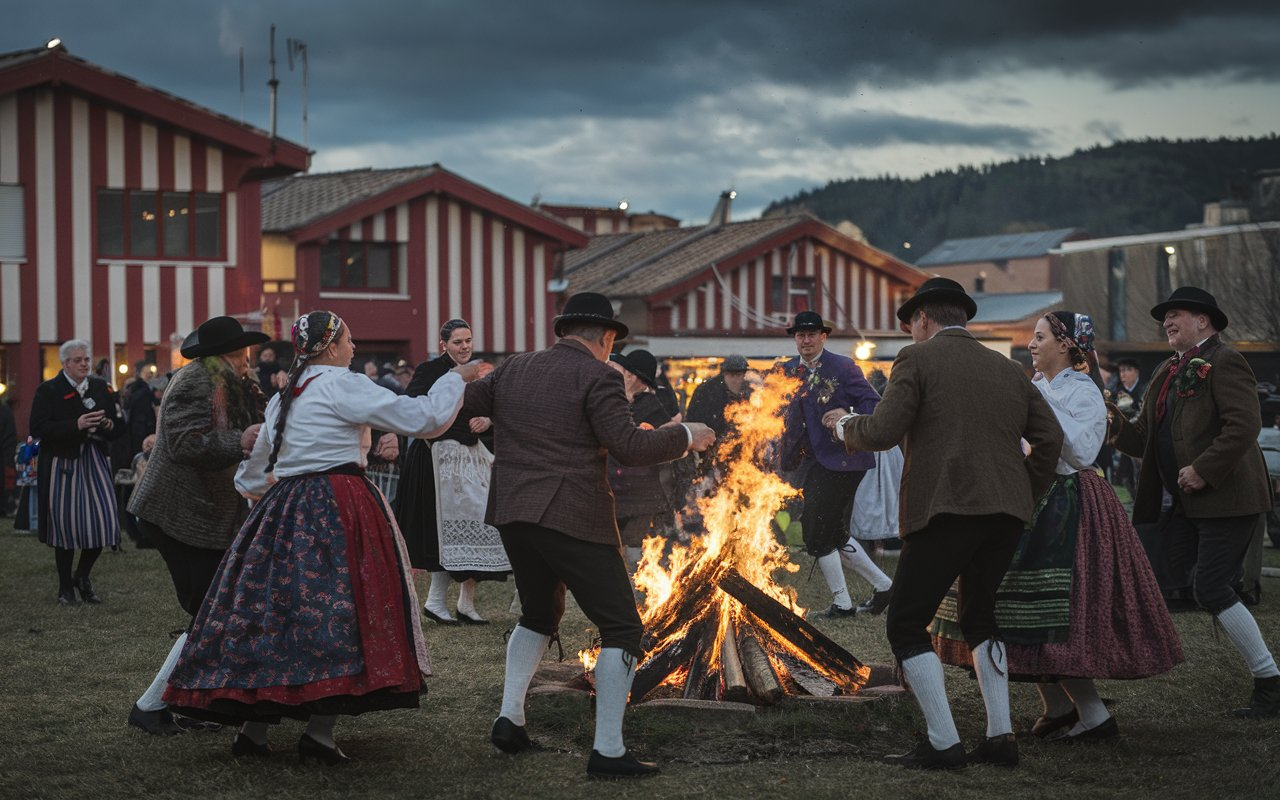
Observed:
{"x":1078,"y":337}
{"x":314,"y":332}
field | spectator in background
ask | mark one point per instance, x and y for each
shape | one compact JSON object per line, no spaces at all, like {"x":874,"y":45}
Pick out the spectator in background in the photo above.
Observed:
{"x":8,"y":449}
{"x":403,"y":376}
{"x":712,"y":396}
{"x":268,"y":366}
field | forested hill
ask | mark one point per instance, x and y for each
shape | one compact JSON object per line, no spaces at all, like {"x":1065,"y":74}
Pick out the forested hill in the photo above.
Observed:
{"x":1123,"y":188}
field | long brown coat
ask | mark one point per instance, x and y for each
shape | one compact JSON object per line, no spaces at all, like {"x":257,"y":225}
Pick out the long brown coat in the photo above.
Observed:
{"x":1215,"y":430}
{"x":556,"y":413}
{"x":959,"y":410}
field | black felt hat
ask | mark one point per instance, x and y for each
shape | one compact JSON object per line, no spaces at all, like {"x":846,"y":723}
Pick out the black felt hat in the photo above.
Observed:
{"x":590,"y":307}
{"x":1192,"y":299}
{"x":640,"y":363}
{"x":937,"y":290}
{"x":219,"y":335}
{"x":808,"y":321}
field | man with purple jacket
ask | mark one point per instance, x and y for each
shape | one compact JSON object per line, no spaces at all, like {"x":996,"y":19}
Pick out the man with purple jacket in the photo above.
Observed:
{"x":820,"y":466}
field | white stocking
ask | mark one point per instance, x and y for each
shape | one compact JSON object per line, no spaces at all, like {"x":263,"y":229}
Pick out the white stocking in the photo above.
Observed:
{"x":834,"y":574}
{"x":614,"y":671}
{"x":855,"y":557}
{"x":924,"y":675}
{"x":153,"y":698}
{"x":524,"y":653}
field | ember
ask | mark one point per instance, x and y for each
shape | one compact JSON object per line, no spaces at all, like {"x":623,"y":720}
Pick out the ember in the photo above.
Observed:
{"x":717,"y":625}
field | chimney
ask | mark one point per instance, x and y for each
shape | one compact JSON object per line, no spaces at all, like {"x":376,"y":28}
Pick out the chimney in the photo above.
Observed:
{"x":720,"y":215}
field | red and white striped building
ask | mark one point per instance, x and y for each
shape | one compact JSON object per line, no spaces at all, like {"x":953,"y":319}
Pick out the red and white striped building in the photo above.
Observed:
{"x":397,"y":252}
{"x":127,"y":215}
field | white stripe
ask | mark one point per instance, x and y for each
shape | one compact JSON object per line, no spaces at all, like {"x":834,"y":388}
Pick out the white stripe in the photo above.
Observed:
{"x":9,"y":139}
{"x":760,"y":268}
{"x":379,"y":227}
{"x":455,"y":261}
{"x":884,"y":297}
{"x":10,"y":302}
{"x":115,"y":150}
{"x":708,"y":292}
{"x":118,"y":303}
{"x":868,"y":303}
{"x":726,"y":310}
{"x":183,"y":300}
{"x":213,"y":170}
{"x":479,"y":331}
{"x":150,"y":309}
{"x":217,"y":291}
{"x":81,"y":223}
{"x":518,"y":295}
{"x":355,"y":232}
{"x":181,"y":163}
{"x":743,"y":278}
{"x":675,"y":318}
{"x":230,"y":246}
{"x":539,"y":294}
{"x":824,"y":290}
{"x":402,"y":252}
{"x":45,"y":259}
{"x":841,"y":267}
{"x":433,"y":274}
{"x":691,"y":301}
{"x":498,"y":291}
{"x":150,"y":159}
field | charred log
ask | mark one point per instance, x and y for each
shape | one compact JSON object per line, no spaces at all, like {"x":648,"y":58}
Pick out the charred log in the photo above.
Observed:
{"x":662,"y":664}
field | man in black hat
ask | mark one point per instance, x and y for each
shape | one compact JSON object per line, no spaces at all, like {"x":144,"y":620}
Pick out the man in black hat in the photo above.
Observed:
{"x":716,"y":394}
{"x":820,"y":467}
{"x":187,"y":504}
{"x":1198,"y":439}
{"x":556,"y":413}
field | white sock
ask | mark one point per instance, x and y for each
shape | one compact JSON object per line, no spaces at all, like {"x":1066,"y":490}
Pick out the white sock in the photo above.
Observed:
{"x":1242,"y":630}
{"x":992,"y":669}
{"x":320,"y":728}
{"x":514,"y":608}
{"x":614,"y":671}
{"x":437,"y":594}
{"x":834,"y":573}
{"x":153,"y":698}
{"x":924,"y":676}
{"x":524,"y":653}
{"x":467,"y":598}
{"x":1055,"y":699}
{"x":1084,"y":694}
{"x":855,"y":558}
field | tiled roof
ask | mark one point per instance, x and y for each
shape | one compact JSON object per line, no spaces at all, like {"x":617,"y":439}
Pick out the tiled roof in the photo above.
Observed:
{"x":995,"y":248}
{"x":995,"y":307}
{"x":292,"y":203}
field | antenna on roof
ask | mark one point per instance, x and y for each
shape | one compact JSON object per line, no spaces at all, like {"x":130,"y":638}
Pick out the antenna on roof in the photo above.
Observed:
{"x":297,"y":47}
{"x":273,"y":83}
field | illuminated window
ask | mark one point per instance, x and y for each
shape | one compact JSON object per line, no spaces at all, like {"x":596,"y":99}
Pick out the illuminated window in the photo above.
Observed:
{"x":360,"y":266}
{"x":149,"y":225}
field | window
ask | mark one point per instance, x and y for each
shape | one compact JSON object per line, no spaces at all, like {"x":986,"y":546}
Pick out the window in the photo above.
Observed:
{"x":174,"y":225}
{"x":1116,"y":274}
{"x":360,"y":266}
{"x":13,"y":223}
{"x":801,"y":294}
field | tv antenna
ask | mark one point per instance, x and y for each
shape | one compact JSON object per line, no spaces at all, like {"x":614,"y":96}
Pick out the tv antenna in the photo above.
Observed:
{"x":297,"y":48}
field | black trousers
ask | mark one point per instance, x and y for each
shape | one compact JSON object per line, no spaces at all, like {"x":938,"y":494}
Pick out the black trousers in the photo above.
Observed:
{"x":1211,"y":550}
{"x":975,"y":549}
{"x":828,"y":500}
{"x":191,"y":568}
{"x":546,"y":561}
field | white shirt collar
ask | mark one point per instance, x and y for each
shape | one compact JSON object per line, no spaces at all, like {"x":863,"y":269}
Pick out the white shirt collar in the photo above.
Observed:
{"x":81,"y":387}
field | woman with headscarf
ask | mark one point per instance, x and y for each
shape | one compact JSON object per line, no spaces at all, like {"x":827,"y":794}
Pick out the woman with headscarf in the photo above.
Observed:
{"x":1079,"y":602}
{"x":313,"y":613}
{"x":443,"y":493}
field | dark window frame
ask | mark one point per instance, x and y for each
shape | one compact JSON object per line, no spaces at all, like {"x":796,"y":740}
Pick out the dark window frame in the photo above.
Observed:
{"x":194,"y":250}
{"x":344,"y":249}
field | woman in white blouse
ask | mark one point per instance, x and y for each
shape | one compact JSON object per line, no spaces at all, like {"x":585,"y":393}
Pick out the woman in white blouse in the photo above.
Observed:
{"x":313,"y":613}
{"x":1079,"y":601}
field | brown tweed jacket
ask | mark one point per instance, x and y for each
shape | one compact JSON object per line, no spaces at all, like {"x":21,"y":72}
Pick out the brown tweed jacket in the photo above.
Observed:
{"x":960,"y":411}
{"x":1215,"y":430}
{"x":188,"y":490}
{"x":556,"y":414}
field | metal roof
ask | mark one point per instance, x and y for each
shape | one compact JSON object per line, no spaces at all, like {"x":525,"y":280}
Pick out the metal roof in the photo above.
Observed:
{"x":996,"y":307}
{"x":995,"y":248}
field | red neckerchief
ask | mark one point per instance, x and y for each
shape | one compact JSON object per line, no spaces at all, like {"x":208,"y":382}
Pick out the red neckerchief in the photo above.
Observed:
{"x":1174,"y":364}
{"x":298,"y":390}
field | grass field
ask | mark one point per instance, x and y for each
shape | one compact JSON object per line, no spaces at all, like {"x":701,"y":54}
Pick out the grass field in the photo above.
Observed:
{"x":70,"y":675}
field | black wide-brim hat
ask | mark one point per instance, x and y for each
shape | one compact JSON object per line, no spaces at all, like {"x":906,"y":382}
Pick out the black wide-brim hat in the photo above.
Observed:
{"x":219,"y":335}
{"x":808,"y":321}
{"x":640,"y":363}
{"x":1192,"y":299}
{"x":937,"y":290}
{"x":592,"y":308}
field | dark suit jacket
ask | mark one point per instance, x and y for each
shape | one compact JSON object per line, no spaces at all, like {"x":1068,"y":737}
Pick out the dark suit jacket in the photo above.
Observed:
{"x":959,"y":410}
{"x":1214,"y":430}
{"x":556,"y":414}
{"x":838,"y":384}
{"x":54,"y":411}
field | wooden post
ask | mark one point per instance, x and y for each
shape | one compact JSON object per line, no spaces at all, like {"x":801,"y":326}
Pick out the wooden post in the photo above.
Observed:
{"x":733,"y":678}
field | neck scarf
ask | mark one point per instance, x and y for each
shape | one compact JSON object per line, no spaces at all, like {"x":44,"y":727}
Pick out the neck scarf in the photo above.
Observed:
{"x":1174,"y":364}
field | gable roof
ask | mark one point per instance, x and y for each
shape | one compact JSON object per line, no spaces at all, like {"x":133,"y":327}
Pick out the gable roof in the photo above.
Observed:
{"x":54,"y":66}
{"x":996,"y":248}
{"x":308,"y":207}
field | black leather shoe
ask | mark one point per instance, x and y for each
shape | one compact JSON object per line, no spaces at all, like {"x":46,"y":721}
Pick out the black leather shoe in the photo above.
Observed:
{"x":925,"y":757}
{"x":999,"y":750}
{"x":624,"y":766}
{"x":242,"y":746}
{"x":876,"y":603}
{"x":434,"y":617}
{"x":156,"y":723}
{"x":467,"y":619}
{"x":836,"y":612}
{"x":311,"y":750}
{"x":1099,"y":733}
{"x":85,"y":587}
{"x":509,"y":737}
{"x":1265,"y":700}
{"x":1045,"y":726}
{"x":67,"y":598}
{"x":193,"y":725}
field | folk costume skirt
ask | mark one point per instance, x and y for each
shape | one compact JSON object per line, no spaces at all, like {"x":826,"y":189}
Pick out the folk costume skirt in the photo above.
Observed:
{"x":312,"y":612}
{"x":1118,"y":625}
{"x":82,"y":501}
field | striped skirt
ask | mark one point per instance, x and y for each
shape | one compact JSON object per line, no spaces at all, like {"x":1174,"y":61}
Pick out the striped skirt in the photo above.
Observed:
{"x":82,"y":501}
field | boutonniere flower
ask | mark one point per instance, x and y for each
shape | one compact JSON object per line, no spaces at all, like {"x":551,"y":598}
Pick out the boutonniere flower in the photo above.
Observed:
{"x":1192,"y":376}
{"x":825,"y":387}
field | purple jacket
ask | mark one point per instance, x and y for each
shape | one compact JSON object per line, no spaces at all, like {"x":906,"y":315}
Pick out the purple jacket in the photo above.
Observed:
{"x":838,"y":383}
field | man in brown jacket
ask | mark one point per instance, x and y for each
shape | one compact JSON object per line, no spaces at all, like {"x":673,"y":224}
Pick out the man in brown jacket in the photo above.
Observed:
{"x":1198,"y":437}
{"x":556,"y":414}
{"x":960,"y":412}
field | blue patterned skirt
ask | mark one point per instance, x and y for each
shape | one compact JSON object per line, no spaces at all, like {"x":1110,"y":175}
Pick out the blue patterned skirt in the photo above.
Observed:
{"x":82,"y":501}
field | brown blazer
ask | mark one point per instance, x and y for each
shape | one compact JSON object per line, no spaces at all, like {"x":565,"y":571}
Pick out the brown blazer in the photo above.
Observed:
{"x":1215,"y":430}
{"x":960,"y":410}
{"x":556,"y":414}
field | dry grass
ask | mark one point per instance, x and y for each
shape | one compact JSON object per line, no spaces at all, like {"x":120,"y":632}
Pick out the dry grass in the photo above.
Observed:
{"x":69,"y":676}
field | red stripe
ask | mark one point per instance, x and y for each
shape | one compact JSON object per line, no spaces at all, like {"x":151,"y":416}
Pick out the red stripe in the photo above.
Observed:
{"x":133,"y":310}
{"x":464,"y":263}
{"x":31,"y":364}
{"x":98,"y":177}
{"x":486,"y":261}
{"x":526,"y":302}
{"x":199,"y":166}
{"x":243,"y":285}
{"x":509,"y":269}
{"x":442,"y":255}
{"x":64,"y":220}
{"x":168,"y":309}
{"x":419,"y":345}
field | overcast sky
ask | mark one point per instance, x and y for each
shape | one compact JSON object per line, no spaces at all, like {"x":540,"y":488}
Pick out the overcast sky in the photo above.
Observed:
{"x":668,"y":103}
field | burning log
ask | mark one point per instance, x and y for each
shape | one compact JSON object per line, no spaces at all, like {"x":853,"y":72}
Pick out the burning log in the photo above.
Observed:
{"x":703,"y":678}
{"x":733,"y":679}
{"x":683,"y":606}
{"x":758,"y":671}
{"x":662,"y":664}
